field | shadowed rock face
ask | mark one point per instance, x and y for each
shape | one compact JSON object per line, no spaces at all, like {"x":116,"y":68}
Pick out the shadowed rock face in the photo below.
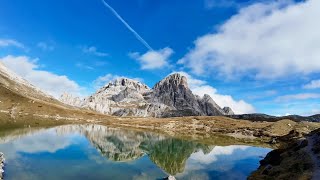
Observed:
{"x":173,"y":91}
{"x":228,"y":111}
{"x":171,"y":97}
{"x":209,"y":107}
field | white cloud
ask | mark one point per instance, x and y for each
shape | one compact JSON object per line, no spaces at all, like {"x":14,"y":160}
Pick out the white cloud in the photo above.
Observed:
{"x":315,"y":111}
{"x":49,"y":82}
{"x":211,"y":157}
{"x":153,"y":59}
{"x":45,"y":47}
{"x":39,"y":142}
{"x":201,"y":88}
{"x":103,"y":80}
{"x":315,"y":84}
{"x":35,"y":141}
{"x":10,"y":42}
{"x":93,"y":50}
{"x":268,"y":40}
{"x":300,"y":96}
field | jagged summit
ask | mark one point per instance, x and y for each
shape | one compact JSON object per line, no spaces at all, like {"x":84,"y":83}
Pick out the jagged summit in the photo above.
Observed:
{"x":228,"y":111}
{"x":175,"y":81}
{"x":127,"y":83}
{"x":170,"y":97}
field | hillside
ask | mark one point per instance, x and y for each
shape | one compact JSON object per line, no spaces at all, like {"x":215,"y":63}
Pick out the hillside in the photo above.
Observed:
{"x":22,"y":104}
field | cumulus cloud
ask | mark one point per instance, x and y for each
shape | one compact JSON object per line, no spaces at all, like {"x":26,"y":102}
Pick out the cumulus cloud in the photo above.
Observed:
{"x":93,"y":50}
{"x":300,"y":96}
{"x":153,"y":59}
{"x":39,"y":142}
{"x":49,"y":82}
{"x":314,"y":84}
{"x":103,"y":80}
{"x":200,"y":87}
{"x":211,"y":157}
{"x":11,"y":42}
{"x":264,"y":40}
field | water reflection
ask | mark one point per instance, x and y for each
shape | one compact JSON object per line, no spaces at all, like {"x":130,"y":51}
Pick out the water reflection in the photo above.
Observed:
{"x":99,"y":152}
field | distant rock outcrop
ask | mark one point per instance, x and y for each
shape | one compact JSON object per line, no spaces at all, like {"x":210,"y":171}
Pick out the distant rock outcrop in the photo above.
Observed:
{"x":171,"y":97}
{"x":269,"y":118}
{"x":228,"y":111}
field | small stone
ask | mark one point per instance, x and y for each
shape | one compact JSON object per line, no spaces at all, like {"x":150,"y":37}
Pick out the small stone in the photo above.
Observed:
{"x":169,"y":178}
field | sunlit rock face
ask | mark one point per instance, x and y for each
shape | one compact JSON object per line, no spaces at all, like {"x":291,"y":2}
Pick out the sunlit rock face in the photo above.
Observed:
{"x":171,"y":97}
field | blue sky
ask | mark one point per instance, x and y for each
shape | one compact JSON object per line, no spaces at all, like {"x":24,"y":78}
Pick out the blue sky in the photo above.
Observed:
{"x":255,"y":56}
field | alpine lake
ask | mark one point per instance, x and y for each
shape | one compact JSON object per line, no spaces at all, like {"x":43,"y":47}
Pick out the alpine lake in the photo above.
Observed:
{"x":92,"y":152}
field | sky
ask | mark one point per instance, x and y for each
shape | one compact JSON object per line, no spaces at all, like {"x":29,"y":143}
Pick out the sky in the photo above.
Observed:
{"x":256,"y":56}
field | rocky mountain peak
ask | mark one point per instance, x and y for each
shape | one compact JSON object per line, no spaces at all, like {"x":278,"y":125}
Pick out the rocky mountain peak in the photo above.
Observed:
{"x":120,"y":84}
{"x":129,"y":83}
{"x":173,"y":81}
{"x":207,"y":97}
{"x":228,"y":111}
{"x":171,"y":97}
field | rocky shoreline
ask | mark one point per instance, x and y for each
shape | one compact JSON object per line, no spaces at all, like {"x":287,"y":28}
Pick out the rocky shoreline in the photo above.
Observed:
{"x":1,"y":165}
{"x":298,"y":160}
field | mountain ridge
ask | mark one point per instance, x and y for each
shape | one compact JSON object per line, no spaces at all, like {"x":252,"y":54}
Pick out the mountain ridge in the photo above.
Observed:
{"x":170,"y":97}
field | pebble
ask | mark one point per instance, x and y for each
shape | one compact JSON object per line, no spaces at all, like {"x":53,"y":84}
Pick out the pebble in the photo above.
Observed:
{"x":2,"y":160}
{"x":170,"y":178}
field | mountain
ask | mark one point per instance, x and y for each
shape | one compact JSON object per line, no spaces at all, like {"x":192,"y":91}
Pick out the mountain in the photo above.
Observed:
{"x":13,"y":82}
{"x":171,"y":97}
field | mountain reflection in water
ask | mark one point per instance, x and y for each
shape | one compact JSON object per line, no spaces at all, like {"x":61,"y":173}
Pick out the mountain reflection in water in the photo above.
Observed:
{"x":100,"y":152}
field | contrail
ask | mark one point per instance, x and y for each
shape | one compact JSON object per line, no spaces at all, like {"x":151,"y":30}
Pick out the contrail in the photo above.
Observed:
{"x":128,"y":26}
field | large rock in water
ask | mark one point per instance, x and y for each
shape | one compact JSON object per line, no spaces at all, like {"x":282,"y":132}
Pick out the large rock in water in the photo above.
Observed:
{"x":171,"y":97}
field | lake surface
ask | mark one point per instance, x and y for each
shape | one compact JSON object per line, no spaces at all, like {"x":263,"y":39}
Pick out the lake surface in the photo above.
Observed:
{"x":98,"y":152}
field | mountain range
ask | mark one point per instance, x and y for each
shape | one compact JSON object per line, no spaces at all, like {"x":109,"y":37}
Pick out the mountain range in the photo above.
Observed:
{"x":171,"y":97}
